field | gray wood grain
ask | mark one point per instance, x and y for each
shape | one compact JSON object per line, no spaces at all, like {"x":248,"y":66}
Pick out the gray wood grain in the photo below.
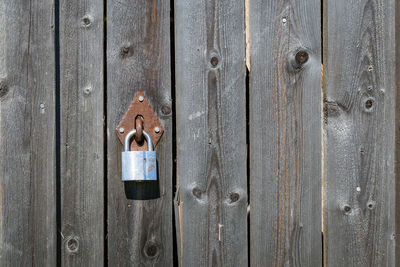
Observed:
{"x":138,"y":57}
{"x":27,"y":134}
{"x":211,"y":202}
{"x":359,"y":95}
{"x":285,"y":133}
{"x":82,"y":133}
{"x":397,"y":129}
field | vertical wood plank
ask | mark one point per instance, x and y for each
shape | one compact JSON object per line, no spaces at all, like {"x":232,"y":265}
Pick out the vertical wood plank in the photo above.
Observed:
{"x":27,"y":134}
{"x":359,"y":92}
{"x":138,"y":57}
{"x":285,"y":133}
{"x":82,"y":138}
{"x":211,"y":202}
{"x":397,"y":129}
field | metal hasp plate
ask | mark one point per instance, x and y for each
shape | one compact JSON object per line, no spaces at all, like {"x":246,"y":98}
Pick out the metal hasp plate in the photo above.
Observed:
{"x":140,"y":106}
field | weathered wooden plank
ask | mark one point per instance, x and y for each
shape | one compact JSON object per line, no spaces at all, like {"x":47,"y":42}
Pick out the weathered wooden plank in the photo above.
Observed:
{"x":285,"y":133}
{"x":82,"y":138}
{"x":138,"y":57}
{"x":27,"y":134}
{"x":397,"y":128}
{"x":211,"y":201}
{"x":359,"y":95}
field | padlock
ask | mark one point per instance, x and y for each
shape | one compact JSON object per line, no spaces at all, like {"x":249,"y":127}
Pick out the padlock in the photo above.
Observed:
{"x":139,"y":165}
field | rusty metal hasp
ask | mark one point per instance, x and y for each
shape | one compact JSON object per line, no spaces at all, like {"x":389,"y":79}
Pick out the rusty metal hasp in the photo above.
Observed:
{"x":140,"y":108}
{"x":139,"y":124}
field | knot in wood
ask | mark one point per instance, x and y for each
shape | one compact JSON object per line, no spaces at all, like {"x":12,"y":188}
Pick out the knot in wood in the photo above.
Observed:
{"x":3,"y":88}
{"x":301,"y":57}
{"x":151,"y":250}
{"x":234,"y":197}
{"x":166,"y":109}
{"x":72,"y":245}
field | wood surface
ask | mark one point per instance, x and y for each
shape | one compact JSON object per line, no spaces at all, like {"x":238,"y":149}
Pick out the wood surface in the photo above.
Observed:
{"x":82,"y":133}
{"x":138,"y":57}
{"x":27,"y":134}
{"x":313,"y":161}
{"x":285,"y":133}
{"x":397,"y":134}
{"x":211,"y":197}
{"x":359,"y":132}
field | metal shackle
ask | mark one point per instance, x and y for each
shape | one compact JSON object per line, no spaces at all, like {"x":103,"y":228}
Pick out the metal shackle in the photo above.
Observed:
{"x":131,"y":134}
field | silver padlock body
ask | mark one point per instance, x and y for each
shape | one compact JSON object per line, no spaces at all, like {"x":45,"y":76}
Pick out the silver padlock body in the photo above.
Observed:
{"x":139,"y":166}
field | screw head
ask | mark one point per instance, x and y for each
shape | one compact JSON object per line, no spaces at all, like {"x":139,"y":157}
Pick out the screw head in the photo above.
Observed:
{"x":141,"y":98}
{"x":157,"y":130}
{"x":41,"y":105}
{"x":284,"y":20}
{"x":121,"y":130}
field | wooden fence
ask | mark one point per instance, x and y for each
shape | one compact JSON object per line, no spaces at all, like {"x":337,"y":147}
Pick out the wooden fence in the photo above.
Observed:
{"x":262,"y":162}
